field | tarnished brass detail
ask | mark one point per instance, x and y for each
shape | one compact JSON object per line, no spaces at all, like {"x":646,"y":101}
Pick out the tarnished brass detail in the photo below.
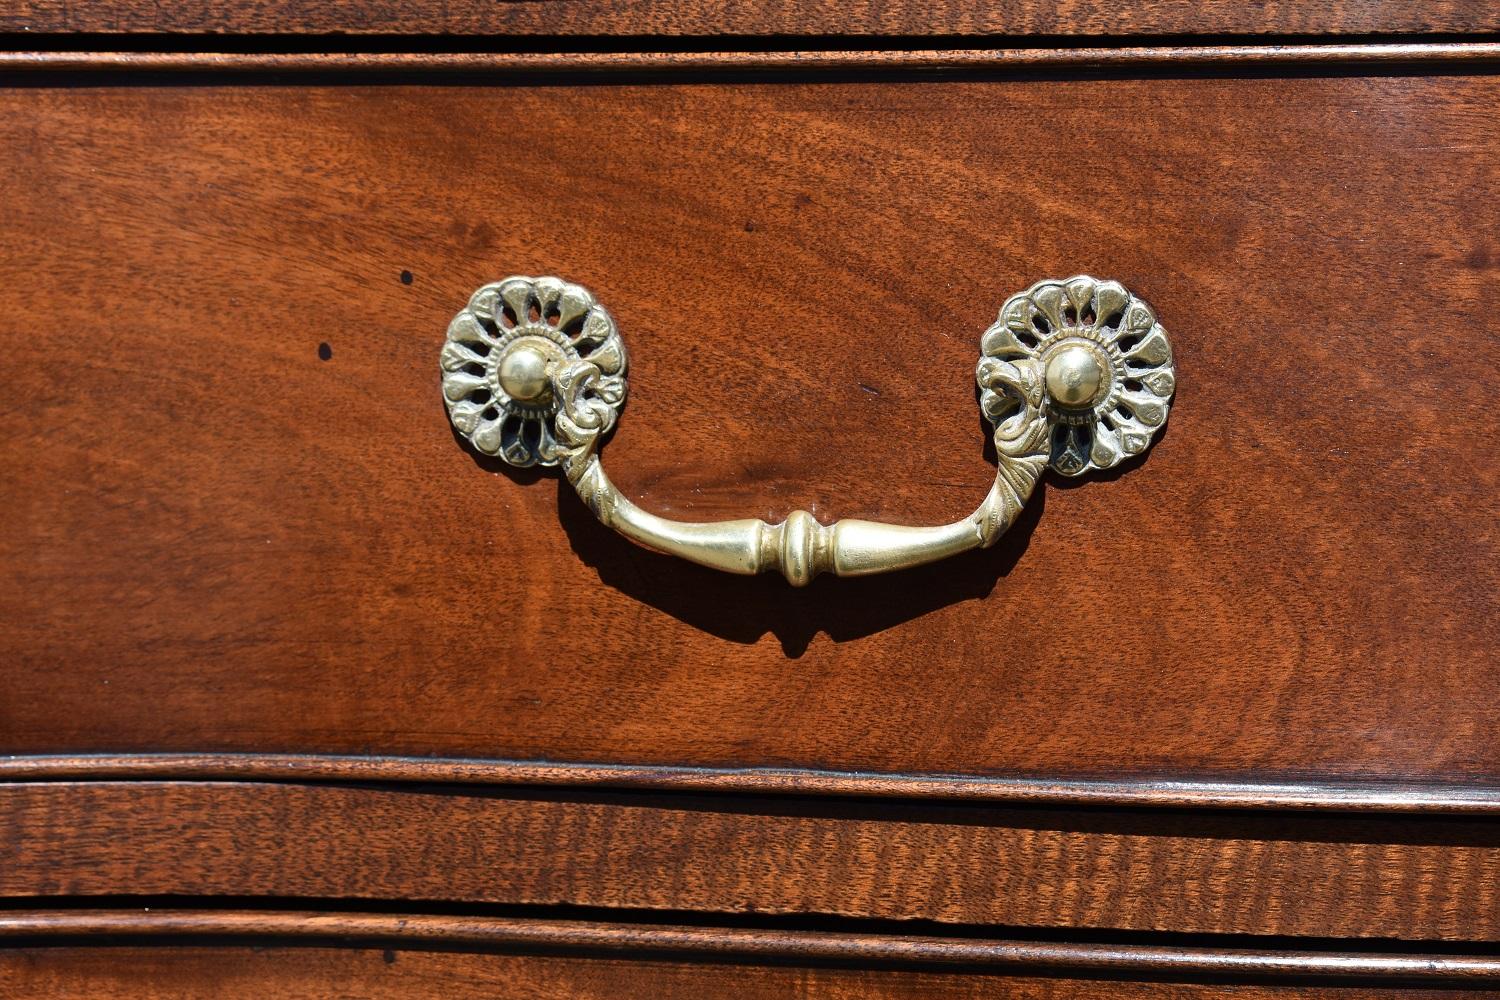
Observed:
{"x":1075,"y":374}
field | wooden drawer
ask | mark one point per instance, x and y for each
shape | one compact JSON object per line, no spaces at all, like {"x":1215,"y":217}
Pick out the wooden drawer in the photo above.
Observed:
{"x":280,"y":651}
{"x":223,"y":542}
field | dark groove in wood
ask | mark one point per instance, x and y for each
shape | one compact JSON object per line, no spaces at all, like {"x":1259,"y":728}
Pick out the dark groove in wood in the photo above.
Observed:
{"x":1375,"y":797}
{"x":1132,"y":57}
{"x":796,"y":946}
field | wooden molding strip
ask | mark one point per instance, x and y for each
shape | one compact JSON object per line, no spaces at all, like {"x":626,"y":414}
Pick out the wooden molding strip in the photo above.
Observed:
{"x":999,"y":59}
{"x":1396,"y":797}
{"x":745,"y":944}
{"x":647,"y":18}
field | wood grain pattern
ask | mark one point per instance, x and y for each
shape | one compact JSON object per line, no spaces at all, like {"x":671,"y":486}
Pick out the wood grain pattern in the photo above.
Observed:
{"x":1322,"y":796}
{"x":282,"y":973}
{"x":217,"y":540}
{"x":755,"y":17}
{"x":411,"y":930}
{"x":576,"y":65}
{"x":1410,"y":879}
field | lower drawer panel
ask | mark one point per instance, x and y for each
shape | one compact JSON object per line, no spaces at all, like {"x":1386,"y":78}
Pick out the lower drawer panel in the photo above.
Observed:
{"x":1417,"y":878}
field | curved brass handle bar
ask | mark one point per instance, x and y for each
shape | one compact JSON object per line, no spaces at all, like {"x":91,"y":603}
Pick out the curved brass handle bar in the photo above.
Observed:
{"x":800,"y":547}
{"x":1076,"y":374}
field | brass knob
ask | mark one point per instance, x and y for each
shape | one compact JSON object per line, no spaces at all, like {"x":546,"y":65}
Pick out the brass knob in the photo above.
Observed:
{"x":1075,"y":374}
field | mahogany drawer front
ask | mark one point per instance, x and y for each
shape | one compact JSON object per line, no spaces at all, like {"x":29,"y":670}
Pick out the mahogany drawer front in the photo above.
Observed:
{"x":239,"y":521}
{"x":301,"y":697}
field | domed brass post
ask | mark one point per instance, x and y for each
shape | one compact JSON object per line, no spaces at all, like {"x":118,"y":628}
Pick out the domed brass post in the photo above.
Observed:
{"x":526,"y":369}
{"x":1074,"y":377}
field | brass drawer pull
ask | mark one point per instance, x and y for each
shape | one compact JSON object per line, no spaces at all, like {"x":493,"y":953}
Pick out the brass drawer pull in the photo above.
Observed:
{"x":1076,"y":374}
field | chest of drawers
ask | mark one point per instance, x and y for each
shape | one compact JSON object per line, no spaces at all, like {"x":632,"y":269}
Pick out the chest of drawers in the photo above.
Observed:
{"x":302,"y":693}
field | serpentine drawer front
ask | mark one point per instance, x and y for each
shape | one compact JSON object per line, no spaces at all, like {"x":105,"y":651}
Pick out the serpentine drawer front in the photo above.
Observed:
{"x":332,"y":662}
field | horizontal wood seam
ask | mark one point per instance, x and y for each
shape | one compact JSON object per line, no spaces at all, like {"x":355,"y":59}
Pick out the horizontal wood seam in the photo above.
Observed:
{"x":744,"y":944}
{"x":1379,"y":797}
{"x":1129,"y":57}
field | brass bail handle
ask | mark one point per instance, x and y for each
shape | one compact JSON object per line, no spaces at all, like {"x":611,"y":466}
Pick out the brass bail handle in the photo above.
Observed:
{"x":1076,"y":374}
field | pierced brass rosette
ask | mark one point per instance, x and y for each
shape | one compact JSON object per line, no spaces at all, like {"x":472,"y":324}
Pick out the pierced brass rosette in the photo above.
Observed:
{"x":503,"y":355}
{"x":1106,"y":365}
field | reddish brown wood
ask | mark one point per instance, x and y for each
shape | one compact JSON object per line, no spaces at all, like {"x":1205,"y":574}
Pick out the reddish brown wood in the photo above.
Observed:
{"x":720,"y":943}
{"x":1232,"y":873}
{"x":301,"y":973}
{"x":218,"y":541}
{"x":756,"y":17}
{"x":1365,"y":796}
{"x":1128,"y":58}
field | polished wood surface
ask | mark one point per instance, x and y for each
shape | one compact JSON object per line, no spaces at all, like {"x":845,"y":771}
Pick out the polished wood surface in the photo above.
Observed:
{"x":755,"y":17}
{"x":1233,"y":873}
{"x":300,"y":699}
{"x":1128,"y":792}
{"x":1257,"y":56}
{"x":288,"y":973}
{"x":647,"y":941}
{"x":239,"y":521}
